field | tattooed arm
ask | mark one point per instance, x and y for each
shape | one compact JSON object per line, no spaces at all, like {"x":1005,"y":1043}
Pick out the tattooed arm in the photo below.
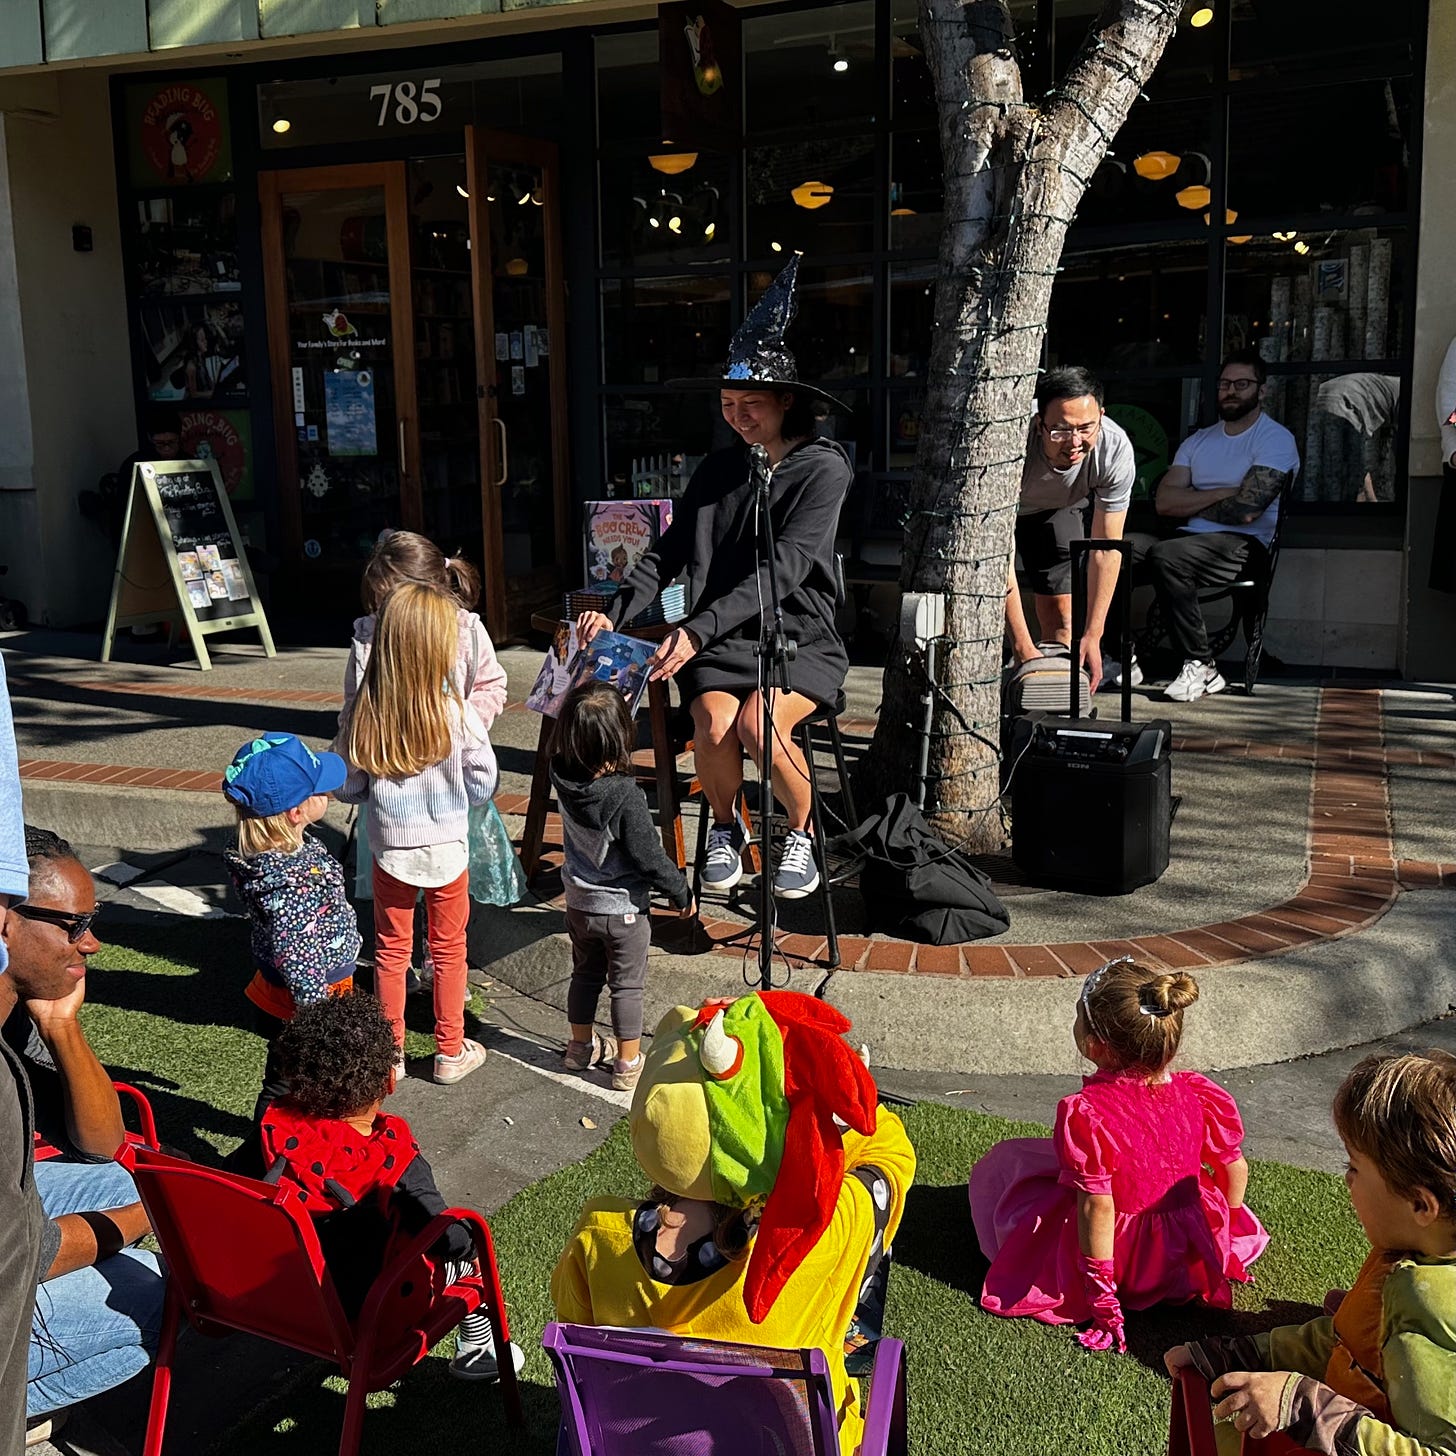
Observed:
{"x":1259,"y":487}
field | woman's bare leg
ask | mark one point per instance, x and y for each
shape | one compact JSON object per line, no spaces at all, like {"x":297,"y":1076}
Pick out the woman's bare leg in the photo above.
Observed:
{"x":717,"y":752}
{"x":790,"y":772}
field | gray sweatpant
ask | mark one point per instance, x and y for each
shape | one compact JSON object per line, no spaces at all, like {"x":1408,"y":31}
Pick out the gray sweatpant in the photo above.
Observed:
{"x":611,"y":951}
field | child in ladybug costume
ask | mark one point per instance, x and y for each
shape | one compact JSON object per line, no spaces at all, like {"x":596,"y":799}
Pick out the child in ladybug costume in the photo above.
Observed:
{"x":358,"y":1170}
{"x":778,"y":1184}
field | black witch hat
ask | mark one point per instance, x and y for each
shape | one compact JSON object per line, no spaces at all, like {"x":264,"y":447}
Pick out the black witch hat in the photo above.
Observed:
{"x":758,"y":358}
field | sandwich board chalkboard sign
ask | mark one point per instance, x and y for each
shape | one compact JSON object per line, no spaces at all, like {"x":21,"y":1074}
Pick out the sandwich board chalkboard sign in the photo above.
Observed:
{"x":181,"y":558}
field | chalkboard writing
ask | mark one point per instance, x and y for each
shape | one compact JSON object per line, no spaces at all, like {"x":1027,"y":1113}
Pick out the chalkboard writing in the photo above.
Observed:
{"x":181,"y":557}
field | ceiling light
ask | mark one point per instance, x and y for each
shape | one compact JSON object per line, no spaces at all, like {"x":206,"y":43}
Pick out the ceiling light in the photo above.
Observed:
{"x":674,"y":224}
{"x":1301,"y":247}
{"x":812,"y":194}
{"x":282,"y":125}
{"x":708,"y":231}
{"x":1288,"y":237}
{"x":902,"y":212}
{"x":1194,"y":198}
{"x":1201,"y":17}
{"x":840,"y":64}
{"x":671,"y":163}
{"x":653,"y":222}
{"x":538,"y":197}
{"x":1156,"y":166}
{"x":490,"y":196}
{"x":777,"y":247}
{"x":461,"y":190}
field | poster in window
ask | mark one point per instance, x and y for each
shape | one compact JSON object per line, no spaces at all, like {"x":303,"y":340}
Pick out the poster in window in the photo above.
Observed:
{"x":349,"y":412}
{"x":225,"y":436}
{"x":186,"y":243}
{"x":700,"y":55}
{"x":178,"y":132}
{"x":193,"y":351}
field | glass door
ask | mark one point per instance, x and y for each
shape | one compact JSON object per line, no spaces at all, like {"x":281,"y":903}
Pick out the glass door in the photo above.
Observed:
{"x":531,"y":554}
{"x":337,"y":264}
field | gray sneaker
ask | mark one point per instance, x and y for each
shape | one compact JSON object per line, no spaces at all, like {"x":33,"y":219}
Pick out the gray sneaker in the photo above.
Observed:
{"x":797,"y":875}
{"x":723,"y":865}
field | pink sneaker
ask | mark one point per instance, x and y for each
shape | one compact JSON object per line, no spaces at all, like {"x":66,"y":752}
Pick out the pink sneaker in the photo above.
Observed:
{"x":454,"y":1069}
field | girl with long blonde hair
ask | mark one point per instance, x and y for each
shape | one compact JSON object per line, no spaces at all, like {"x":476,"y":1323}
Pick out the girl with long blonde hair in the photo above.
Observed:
{"x":420,"y":757}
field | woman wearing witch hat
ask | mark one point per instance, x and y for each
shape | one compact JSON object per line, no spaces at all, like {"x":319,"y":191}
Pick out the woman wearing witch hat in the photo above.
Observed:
{"x":713,"y":536}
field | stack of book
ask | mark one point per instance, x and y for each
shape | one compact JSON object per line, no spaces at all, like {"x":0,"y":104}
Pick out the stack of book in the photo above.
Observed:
{"x":670,"y":605}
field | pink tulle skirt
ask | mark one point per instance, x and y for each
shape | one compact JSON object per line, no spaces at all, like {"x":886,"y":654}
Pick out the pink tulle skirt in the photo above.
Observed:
{"x":1187,"y":1246}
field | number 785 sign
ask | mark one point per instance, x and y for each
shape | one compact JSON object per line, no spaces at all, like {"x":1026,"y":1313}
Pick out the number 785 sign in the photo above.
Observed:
{"x":407,"y":102}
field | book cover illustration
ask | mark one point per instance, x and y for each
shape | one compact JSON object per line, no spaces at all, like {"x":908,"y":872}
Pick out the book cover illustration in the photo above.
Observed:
{"x":618,"y":534}
{"x":611,"y":657}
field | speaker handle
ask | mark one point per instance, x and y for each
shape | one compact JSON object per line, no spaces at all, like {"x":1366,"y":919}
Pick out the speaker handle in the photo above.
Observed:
{"x":1081,"y":551}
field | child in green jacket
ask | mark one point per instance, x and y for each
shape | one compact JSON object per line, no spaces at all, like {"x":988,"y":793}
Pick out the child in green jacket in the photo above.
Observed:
{"x":1377,"y":1377}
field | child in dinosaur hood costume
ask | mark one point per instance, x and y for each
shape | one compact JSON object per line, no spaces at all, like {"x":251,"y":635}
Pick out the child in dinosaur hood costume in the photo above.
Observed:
{"x":779,"y":1182}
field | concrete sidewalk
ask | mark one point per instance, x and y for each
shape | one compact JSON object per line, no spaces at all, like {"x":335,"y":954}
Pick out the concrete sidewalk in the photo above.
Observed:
{"x":1307,"y":868}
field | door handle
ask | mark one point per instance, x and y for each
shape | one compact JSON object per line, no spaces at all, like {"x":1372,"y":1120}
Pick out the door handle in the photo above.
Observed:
{"x":505,"y":467}
{"x":402,"y":471}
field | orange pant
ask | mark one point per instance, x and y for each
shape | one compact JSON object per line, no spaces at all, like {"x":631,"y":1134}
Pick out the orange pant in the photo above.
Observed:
{"x":447,"y":911}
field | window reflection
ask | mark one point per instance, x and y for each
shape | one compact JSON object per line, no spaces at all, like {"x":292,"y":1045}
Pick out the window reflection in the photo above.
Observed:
{"x":808,"y":67}
{"x":917,"y":196}
{"x":655,"y":218}
{"x":816,"y":196}
{"x":628,"y":87}
{"x":1302,"y":38}
{"x":1310,"y":297}
{"x":833,"y":335}
{"x":1159,"y":169}
{"x":656,"y":329}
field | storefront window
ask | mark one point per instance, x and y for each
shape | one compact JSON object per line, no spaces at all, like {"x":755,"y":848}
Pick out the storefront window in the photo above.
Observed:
{"x":1133,"y":307}
{"x":656,"y":329}
{"x":1345,"y":426}
{"x":917,"y":195}
{"x":674,"y":429}
{"x":628,"y":87}
{"x":1160,"y":169}
{"x":806,"y":68}
{"x":912,"y":317}
{"x":522,"y":94}
{"x":1191,"y":61}
{"x":1338,"y":149}
{"x":1156,"y":414}
{"x":1300,"y":297}
{"x":1304,"y":38}
{"x":657,"y":219}
{"x":833,"y":335}
{"x":814,"y":196}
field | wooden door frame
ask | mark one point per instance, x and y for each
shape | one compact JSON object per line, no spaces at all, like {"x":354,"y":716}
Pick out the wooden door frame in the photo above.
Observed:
{"x":482,"y":146}
{"x":391,"y":177}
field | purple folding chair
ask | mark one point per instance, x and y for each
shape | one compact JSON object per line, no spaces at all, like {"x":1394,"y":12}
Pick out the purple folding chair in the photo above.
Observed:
{"x":646,"y":1393}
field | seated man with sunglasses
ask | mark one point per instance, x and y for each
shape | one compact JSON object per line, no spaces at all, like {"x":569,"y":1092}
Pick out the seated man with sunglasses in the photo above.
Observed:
{"x":99,"y":1304}
{"x":1079,"y":466}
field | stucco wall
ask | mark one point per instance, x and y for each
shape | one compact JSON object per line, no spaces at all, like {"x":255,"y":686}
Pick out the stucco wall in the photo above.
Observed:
{"x":69,"y":400}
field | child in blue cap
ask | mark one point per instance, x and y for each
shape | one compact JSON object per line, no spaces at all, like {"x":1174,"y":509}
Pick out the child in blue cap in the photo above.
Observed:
{"x":305,"y":935}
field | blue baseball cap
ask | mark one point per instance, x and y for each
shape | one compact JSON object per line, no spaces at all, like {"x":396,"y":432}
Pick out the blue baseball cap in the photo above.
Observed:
{"x":277,"y":772}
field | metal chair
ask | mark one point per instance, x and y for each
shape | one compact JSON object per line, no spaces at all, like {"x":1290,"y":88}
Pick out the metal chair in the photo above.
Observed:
{"x":244,"y":1255}
{"x":147,"y":1137}
{"x":647,"y":1393}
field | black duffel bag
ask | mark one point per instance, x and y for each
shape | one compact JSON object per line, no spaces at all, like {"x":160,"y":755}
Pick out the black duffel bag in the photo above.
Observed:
{"x":915,"y":886}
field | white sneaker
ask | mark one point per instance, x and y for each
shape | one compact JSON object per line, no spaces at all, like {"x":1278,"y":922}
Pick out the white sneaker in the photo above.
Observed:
{"x":1197,"y":680}
{"x":475,"y":1359}
{"x":1112,"y":672}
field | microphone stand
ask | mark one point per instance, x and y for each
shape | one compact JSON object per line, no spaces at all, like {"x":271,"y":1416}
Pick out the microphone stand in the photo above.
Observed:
{"x":774,"y":652}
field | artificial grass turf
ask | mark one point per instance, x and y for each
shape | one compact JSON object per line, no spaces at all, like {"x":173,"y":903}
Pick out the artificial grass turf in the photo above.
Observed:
{"x":977,"y":1384}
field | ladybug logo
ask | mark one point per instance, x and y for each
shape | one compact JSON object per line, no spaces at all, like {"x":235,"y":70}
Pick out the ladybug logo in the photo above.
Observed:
{"x":339,"y":326}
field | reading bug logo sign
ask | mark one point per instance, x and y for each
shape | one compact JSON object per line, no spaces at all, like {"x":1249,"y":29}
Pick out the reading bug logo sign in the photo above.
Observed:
{"x":181,"y":133}
{"x":211,"y":435}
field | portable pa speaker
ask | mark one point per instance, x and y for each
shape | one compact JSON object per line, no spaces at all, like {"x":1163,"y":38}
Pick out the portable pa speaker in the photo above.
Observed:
{"x":1092,"y":802}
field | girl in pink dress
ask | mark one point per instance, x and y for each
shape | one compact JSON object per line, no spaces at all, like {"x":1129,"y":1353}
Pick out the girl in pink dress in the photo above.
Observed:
{"x":1138,"y":1195}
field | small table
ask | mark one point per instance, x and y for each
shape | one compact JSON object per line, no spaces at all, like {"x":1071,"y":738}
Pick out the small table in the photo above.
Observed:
{"x":663,"y":773}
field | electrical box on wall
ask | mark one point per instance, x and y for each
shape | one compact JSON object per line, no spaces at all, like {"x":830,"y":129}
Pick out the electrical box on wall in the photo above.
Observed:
{"x":81,"y":241}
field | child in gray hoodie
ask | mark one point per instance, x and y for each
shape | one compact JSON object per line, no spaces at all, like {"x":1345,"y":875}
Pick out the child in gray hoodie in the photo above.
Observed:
{"x":614,"y":860}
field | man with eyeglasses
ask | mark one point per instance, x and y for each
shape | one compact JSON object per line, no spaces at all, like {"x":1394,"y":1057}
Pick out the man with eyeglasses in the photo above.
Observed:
{"x":1224,"y":485}
{"x":21,"y":1217}
{"x":1078,"y":463}
{"x":98,"y":1307}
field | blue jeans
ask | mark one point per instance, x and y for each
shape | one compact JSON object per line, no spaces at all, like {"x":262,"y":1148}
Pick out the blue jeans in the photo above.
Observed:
{"x":94,"y":1327}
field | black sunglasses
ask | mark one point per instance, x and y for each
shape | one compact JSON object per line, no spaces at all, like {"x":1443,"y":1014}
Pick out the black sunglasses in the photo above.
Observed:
{"x":75,"y":926}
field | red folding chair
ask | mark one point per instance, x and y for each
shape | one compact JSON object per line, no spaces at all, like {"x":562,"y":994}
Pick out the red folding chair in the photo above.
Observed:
{"x":1190,"y":1424}
{"x":147,"y":1137}
{"x":243,"y":1255}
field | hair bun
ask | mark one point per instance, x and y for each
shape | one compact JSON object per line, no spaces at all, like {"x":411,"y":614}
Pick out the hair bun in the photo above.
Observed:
{"x":1167,"y":993}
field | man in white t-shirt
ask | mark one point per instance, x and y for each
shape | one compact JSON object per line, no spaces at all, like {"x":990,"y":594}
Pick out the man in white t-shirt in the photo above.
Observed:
{"x":1077,"y":462}
{"x":1224,"y":484}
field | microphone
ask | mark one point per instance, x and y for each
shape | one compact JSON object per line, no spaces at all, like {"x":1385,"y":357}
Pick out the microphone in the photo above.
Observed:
{"x":762,"y":468}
